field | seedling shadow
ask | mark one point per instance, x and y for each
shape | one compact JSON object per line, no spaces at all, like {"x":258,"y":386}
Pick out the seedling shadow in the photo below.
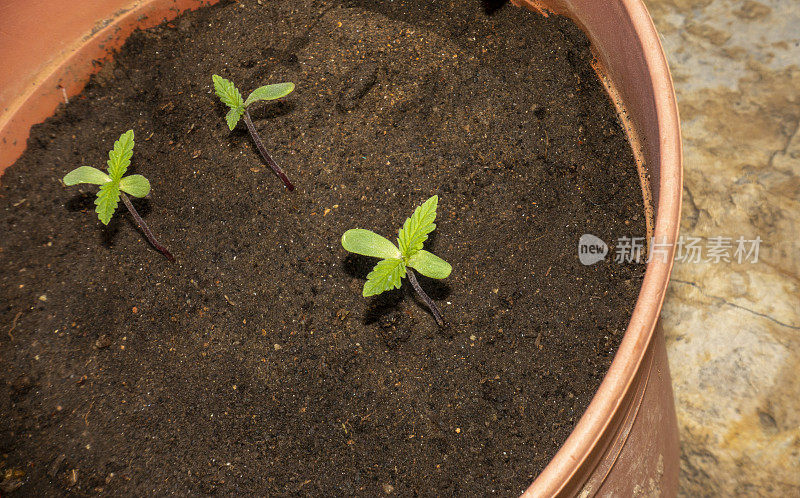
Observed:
{"x":492,"y":6}
{"x":272,"y":110}
{"x":382,"y":305}
{"x":436,"y":289}
{"x":357,"y":266}
{"x":84,"y":203}
{"x":109,"y":232}
{"x":81,"y":202}
{"x":142,"y":205}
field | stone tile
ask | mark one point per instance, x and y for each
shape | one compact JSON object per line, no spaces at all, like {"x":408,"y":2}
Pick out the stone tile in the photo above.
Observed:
{"x":733,"y":330}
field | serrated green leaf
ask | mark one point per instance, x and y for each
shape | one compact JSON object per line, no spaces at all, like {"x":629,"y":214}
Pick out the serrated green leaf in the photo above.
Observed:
{"x":107,"y":200}
{"x":387,"y":274}
{"x":233,"y":116}
{"x":119,"y":158}
{"x":86,"y":174}
{"x":227,"y":92}
{"x":269,"y":92}
{"x":430,"y":264}
{"x":416,"y":228}
{"x":136,"y":185}
{"x":369,"y":243}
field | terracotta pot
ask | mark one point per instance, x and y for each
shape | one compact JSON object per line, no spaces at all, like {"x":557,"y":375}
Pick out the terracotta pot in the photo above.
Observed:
{"x":626,"y":443}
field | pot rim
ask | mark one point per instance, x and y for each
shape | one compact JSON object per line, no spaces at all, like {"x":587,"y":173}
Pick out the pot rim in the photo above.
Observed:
{"x":622,"y":374}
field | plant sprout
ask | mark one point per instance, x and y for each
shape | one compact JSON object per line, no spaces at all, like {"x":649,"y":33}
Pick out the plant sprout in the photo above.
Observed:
{"x":230,"y":96}
{"x":397,"y":263}
{"x":113,"y":186}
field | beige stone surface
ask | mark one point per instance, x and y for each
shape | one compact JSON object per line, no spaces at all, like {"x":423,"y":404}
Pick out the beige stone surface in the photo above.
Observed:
{"x":733,"y":330}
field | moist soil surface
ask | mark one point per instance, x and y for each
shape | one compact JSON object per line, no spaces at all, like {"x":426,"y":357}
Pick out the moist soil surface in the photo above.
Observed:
{"x":253,"y":364}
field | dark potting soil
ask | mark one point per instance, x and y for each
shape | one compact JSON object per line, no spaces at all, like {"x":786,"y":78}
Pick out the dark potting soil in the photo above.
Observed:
{"x":253,"y":364}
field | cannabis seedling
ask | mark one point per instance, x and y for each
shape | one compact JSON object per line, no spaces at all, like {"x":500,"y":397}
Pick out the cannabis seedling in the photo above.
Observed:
{"x":113,"y":186}
{"x":397,"y":263}
{"x":230,"y":96}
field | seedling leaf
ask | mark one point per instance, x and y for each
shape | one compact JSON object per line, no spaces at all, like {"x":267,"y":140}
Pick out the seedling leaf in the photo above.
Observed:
{"x":113,"y":185}
{"x":369,"y":243}
{"x":386,"y":275}
{"x":86,"y":174}
{"x":398,"y":263}
{"x":269,"y":92}
{"x":233,"y":117}
{"x":227,"y":92}
{"x":119,"y":158}
{"x":416,"y":228}
{"x":136,"y":185}
{"x":107,"y":201}
{"x":230,"y":96}
{"x":430,"y":264}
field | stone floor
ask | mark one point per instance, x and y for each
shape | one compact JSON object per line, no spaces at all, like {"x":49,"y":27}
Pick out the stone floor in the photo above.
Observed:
{"x":733,"y":330}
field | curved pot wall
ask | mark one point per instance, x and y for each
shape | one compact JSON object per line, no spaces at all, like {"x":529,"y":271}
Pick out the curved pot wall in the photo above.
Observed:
{"x":626,"y":443}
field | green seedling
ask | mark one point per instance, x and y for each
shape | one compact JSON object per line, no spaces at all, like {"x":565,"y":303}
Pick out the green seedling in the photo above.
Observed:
{"x":397,"y":263}
{"x":230,"y":96}
{"x":113,"y":186}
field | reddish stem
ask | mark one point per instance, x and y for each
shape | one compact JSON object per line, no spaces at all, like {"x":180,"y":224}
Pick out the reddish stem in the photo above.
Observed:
{"x":434,"y":309}
{"x":145,"y":228}
{"x":263,"y":150}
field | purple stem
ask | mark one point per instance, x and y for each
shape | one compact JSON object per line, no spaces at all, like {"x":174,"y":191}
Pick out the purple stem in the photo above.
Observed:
{"x":263,"y":150}
{"x":145,"y":228}
{"x":434,"y":309}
